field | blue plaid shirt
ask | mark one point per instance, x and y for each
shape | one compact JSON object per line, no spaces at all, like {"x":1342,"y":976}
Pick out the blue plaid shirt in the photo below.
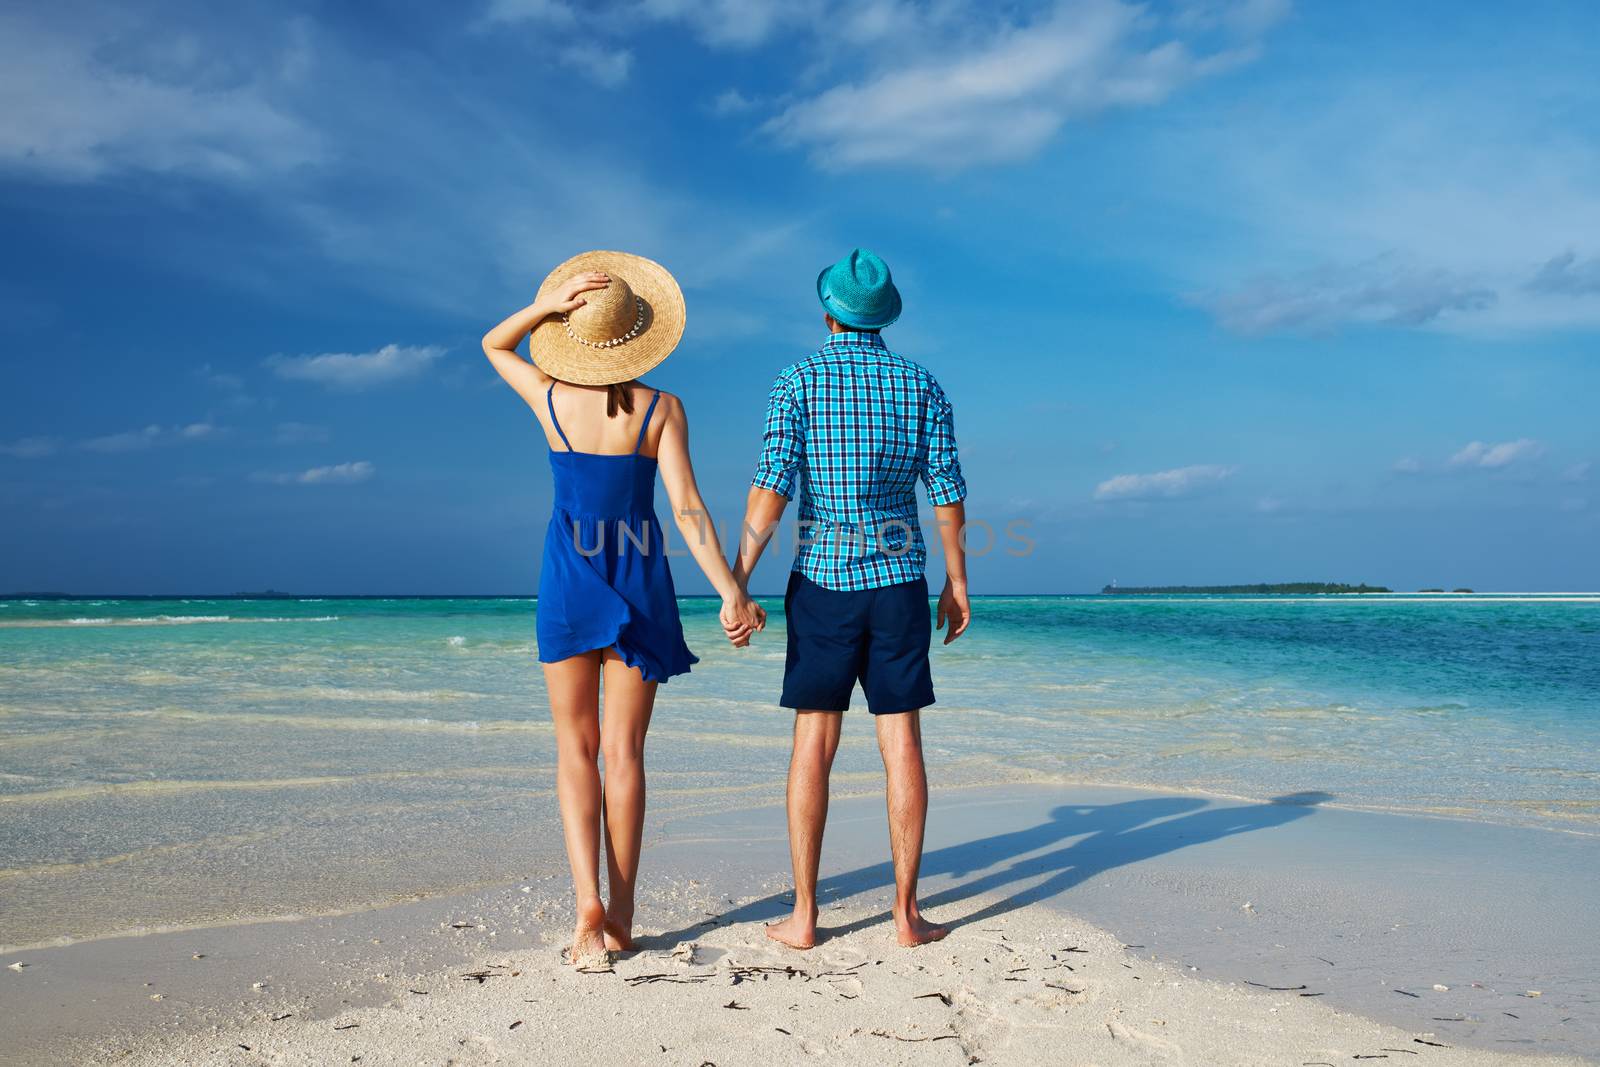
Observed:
{"x":857,"y":425}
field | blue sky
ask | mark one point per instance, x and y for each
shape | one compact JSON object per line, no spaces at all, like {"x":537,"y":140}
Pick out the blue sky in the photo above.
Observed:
{"x":1221,"y":291}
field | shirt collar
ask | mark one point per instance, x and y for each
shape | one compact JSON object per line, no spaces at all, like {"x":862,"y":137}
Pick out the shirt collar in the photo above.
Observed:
{"x":858,"y":338}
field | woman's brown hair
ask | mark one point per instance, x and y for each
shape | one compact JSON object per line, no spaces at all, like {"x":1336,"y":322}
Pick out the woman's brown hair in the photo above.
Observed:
{"x":619,"y":395}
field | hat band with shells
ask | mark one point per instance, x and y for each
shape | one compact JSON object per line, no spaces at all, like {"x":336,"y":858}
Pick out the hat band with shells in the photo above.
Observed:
{"x":638,"y":324}
{"x":619,"y":331}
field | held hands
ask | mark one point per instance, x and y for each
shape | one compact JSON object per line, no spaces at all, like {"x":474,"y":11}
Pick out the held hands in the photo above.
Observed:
{"x":954,"y":611}
{"x":741,"y":618}
{"x":565,"y":298}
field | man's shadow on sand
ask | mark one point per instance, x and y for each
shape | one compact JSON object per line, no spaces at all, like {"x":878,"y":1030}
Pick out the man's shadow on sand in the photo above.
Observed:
{"x":1107,"y":836}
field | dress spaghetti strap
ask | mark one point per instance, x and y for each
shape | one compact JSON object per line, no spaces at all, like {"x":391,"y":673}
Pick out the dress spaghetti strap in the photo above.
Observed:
{"x":651,"y":410}
{"x":549,"y":399}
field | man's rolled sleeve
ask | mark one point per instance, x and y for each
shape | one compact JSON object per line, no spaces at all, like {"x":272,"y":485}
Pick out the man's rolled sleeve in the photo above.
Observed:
{"x":941,"y":471}
{"x":783,"y":444}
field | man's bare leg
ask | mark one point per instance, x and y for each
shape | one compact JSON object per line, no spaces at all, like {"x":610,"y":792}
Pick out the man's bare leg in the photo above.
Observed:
{"x":900,"y":742}
{"x":816,"y":739}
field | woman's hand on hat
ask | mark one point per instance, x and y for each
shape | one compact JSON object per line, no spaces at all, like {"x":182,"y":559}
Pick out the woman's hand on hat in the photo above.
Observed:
{"x":566,"y":298}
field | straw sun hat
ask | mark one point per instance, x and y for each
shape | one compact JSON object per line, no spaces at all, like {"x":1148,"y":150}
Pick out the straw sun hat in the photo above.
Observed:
{"x":622,"y":331}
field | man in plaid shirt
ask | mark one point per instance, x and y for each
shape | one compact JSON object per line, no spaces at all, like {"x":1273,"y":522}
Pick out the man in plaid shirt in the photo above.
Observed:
{"x":854,"y":427}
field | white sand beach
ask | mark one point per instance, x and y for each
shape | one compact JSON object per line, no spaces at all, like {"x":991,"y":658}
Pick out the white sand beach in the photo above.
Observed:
{"x":1223,"y":933}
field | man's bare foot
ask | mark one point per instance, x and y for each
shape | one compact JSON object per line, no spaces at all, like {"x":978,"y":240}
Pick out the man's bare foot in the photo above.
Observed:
{"x":619,"y":933}
{"x":588,"y":940}
{"x":797,"y":931}
{"x":914,"y":930}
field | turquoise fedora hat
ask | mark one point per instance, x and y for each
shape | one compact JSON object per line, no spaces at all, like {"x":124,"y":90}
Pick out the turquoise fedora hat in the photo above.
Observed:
{"x":858,"y":291}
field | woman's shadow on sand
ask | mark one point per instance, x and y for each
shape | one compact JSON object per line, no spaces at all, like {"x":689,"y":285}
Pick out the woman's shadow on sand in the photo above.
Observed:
{"x":1102,"y":836}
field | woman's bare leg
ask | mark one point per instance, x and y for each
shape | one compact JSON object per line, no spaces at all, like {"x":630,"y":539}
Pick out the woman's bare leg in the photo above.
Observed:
{"x":628,"y":700}
{"x":574,"y":687}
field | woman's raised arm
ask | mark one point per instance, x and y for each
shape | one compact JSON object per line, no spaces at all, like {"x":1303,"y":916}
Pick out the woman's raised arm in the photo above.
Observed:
{"x":500,"y":344}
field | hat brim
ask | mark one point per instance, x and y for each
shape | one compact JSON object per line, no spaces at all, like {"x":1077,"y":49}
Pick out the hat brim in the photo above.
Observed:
{"x":846,"y":317}
{"x":569,"y":360}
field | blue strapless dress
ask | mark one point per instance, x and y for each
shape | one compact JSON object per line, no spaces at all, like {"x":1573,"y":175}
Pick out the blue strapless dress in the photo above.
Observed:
{"x":605,"y":580}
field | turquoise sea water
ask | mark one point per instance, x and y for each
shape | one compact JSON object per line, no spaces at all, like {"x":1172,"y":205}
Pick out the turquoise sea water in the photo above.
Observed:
{"x":178,"y":761}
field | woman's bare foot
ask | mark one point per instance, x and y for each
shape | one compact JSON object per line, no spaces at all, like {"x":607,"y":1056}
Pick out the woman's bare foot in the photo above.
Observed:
{"x":797,"y":931}
{"x":619,"y":932}
{"x":913,"y":930}
{"x":588,"y":940}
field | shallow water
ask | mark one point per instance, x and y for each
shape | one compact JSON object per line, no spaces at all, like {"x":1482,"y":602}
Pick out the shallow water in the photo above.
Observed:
{"x":171,"y":762}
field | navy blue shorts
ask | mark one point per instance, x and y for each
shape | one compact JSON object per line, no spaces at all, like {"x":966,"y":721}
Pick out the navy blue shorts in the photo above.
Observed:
{"x":838,"y":637}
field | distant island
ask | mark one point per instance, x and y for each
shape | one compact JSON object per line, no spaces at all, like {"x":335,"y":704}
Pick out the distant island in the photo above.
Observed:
{"x":266,"y":594}
{"x":1262,"y":589}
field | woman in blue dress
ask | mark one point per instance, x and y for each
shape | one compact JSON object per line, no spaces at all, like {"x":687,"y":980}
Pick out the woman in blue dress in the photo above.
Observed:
{"x":607,"y":611}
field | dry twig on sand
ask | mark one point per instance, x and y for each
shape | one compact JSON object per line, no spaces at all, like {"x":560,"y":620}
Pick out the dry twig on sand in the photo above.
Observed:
{"x":482,"y":976}
{"x":898,"y":1037}
{"x":667,"y":976}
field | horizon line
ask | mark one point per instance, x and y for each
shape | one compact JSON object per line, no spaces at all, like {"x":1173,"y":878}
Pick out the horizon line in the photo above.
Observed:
{"x":275,"y":595}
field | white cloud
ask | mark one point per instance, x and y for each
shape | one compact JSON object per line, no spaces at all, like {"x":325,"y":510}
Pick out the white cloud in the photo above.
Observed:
{"x":1454,"y":213}
{"x":996,"y":90}
{"x":1564,"y":274}
{"x":337,"y":474}
{"x":152,"y":435}
{"x":1328,"y":297}
{"x":472,"y":232}
{"x":345,"y":370}
{"x":219,"y":379}
{"x":198,"y":431}
{"x":130,"y":441}
{"x":1577,"y":472}
{"x":229,"y":384}
{"x":1479,"y":454}
{"x":727,"y":23}
{"x":717,"y":22}
{"x":299,"y":433}
{"x":1180,"y":481}
{"x":548,"y":12}
{"x":606,"y":67}
{"x":78,"y":107}
{"x":1408,"y":465}
{"x":1245,"y":16}
{"x":31,"y":447}
{"x":732,"y":102}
